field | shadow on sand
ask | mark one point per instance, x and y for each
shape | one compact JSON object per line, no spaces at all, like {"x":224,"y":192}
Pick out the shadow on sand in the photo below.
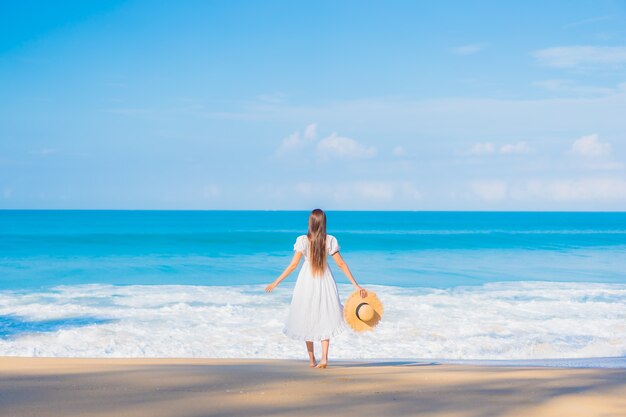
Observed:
{"x":340,"y":364}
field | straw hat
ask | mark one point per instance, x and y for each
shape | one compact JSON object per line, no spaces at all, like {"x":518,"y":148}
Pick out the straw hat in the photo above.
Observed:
{"x":362,"y":313}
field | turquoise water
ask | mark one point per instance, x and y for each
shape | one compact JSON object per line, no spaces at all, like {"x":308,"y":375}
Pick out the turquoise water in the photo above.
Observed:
{"x":410,"y":249}
{"x":477,"y":286}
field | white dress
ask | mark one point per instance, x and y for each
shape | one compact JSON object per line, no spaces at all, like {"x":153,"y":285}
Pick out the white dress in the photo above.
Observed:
{"x":316,"y":312}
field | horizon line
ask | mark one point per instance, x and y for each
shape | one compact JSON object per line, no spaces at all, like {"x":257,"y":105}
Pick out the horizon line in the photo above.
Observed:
{"x":327,"y":210}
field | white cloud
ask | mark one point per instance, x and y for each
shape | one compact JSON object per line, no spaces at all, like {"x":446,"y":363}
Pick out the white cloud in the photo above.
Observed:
{"x":486,"y":148}
{"x":291,"y":142}
{"x":297,"y":140}
{"x":567,"y":190}
{"x":354,"y":192}
{"x":374,"y":190}
{"x":572,"y":87}
{"x":468,"y":49}
{"x":591,"y":146}
{"x":557,"y":190}
{"x":582,"y":56}
{"x":489,"y":190}
{"x":335,"y":146}
{"x":398,"y":151}
{"x":519,"y":147}
{"x":310,"y":132}
{"x":604,"y":165}
{"x":451,"y":117}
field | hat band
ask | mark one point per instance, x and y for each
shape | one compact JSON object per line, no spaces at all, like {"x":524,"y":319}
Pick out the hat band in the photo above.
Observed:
{"x":358,"y":308}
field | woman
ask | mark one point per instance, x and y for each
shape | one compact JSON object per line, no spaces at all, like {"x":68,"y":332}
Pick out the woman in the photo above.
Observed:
{"x":316,"y":312}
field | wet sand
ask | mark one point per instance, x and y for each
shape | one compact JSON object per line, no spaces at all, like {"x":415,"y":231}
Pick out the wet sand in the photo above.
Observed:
{"x":215,"y":387}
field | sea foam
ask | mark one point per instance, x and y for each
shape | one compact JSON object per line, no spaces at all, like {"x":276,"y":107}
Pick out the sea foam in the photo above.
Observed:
{"x":514,"y":321}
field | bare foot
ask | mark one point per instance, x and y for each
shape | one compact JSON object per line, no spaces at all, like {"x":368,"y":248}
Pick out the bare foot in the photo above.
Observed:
{"x":321,"y":365}
{"x":312,"y":364}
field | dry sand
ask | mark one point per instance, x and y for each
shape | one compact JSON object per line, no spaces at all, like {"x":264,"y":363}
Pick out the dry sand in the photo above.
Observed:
{"x":193,"y":387}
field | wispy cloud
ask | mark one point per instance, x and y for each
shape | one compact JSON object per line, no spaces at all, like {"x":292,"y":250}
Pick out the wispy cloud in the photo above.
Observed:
{"x":297,"y":140}
{"x":355,"y":191}
{"x":330,"y":147}
{"x":591,"y":146}
{"x":375,"y":190}
{"x":488,"y":148}
{"x":335,"y":146}
{"x":583,"y":189}
{"x":469,"y":49}
{"x":398,"y":151}
{"x":589,"y":21}
{"x":519,"y":148}
{"x":572,"y":87}
{"x":493,"y":117}
{"x":582,"y":56}
{"x":559,"y":190}
{"x":489,"y":190}
{"x":311,"y":131}
{"x":292,"y":141}
{"x":594,"y":153}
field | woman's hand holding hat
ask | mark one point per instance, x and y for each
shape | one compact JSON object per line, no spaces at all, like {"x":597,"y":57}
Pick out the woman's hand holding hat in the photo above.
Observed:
{"x":362,"y":291}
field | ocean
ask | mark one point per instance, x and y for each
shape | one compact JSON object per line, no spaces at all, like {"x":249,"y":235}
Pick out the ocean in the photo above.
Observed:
{"x":518,"y":287}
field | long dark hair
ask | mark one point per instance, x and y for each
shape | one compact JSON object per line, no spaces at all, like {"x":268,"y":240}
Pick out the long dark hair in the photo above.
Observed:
{"x":317,"y":240}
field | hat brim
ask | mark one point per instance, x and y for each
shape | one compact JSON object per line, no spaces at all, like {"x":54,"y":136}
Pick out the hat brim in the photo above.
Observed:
{"x":350,"y":309}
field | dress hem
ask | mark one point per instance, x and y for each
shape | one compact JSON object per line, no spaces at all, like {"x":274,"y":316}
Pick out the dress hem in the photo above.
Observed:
{"x":305,"y":338}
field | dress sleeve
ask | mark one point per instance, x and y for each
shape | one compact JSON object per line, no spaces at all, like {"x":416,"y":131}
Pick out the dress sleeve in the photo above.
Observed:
{"x":300,"y":245}
{"x":333,"y":245}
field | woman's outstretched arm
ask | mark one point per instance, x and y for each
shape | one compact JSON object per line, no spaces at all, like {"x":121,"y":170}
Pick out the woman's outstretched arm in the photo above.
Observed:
{"x":290,"y":268}
{"x":344,"y":267}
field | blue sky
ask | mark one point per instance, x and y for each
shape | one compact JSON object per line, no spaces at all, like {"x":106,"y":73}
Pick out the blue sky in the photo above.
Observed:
{"x":291,"y":105}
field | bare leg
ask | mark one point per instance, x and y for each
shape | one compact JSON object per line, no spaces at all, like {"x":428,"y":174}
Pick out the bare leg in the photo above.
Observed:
{"x":324,"y":360}
{"x":309,"y":349}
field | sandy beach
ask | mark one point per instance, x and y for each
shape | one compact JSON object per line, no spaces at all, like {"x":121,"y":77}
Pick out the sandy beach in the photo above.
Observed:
{"x":213,"y":387}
